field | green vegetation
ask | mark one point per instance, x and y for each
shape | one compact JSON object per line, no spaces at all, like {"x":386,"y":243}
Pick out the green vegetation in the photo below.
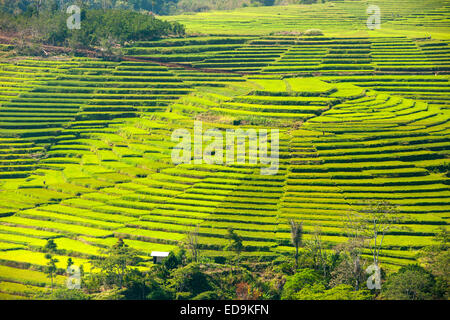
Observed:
{"x":160,"y":7}
{"x":87,"y":179}
{"x":105,"y":29}
{"x":337,"y":18}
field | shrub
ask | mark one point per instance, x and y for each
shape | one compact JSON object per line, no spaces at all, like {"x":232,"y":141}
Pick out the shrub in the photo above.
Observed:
{"x":207,"y":295}
{"x":99,"y":27}
{"x":340,"y":292}
{"x":313,"y":32}
{"x":190,"y":280}
{"x":298,"y":281}
{"x":410,"y":283}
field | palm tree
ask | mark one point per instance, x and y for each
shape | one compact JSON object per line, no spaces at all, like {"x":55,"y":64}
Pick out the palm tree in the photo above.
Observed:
{"x":51,"y":268}
{"x":296,"y":237}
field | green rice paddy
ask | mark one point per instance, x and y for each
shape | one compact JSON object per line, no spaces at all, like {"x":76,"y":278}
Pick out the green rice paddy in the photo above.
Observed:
{"x":85,"y":145}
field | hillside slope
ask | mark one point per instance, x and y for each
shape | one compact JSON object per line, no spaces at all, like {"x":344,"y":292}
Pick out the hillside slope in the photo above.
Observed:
{"x":85,"y":144}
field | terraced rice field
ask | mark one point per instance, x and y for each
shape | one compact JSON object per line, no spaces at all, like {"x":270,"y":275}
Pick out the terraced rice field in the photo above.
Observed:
{"x":85,"y":145}
{"x":401,"y":17}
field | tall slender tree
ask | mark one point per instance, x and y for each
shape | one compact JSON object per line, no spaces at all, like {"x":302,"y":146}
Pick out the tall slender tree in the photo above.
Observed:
{"x":51,"y":268}
{"x":296,"y":237}
{"x":192,"y":243}
{"x":235,"y":243}
{"x":375,"y":219}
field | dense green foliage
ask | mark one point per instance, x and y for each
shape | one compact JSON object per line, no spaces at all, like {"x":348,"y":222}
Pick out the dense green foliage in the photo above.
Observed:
{"x":160,"y":7}
{"x":119,"y":277}
{"x":87,"y":179}
{"x":97,"y":27}
{"x":410,"y":283}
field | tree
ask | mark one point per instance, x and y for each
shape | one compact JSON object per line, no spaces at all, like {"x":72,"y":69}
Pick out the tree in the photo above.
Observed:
{"x":136,"y":285}
{"x":50,"y":246}
{"x":38,"y":5}
{"x":108,"y":29}
{"x":300,"y":280}
{"x":374,"y":220}
{"x":69,"y":263}
{"x":51,"y":268}
{"x":156,"y":290}
{"x":317,"y":252}
{"x":296,"y":237}
{"x":350,"y":267}
{"x":436,"y":259}
{"x":192,"y":243}
{"x":235,"y":242}
{"x":190,"y":281}
{"x":115,"y":265}
{"x":172,"y":261}
{"x":412,"y":282}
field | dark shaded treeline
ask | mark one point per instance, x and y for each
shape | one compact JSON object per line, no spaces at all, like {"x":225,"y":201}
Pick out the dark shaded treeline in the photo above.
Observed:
{"x":160,"y":7}
{"x":97,"y":27}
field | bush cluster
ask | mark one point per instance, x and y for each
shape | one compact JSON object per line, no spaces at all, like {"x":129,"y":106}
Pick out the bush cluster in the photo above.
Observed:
{"x":105,"y":28}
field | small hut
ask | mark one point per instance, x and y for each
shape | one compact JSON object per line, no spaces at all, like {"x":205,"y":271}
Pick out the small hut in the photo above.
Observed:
{"x":159,"y":256}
